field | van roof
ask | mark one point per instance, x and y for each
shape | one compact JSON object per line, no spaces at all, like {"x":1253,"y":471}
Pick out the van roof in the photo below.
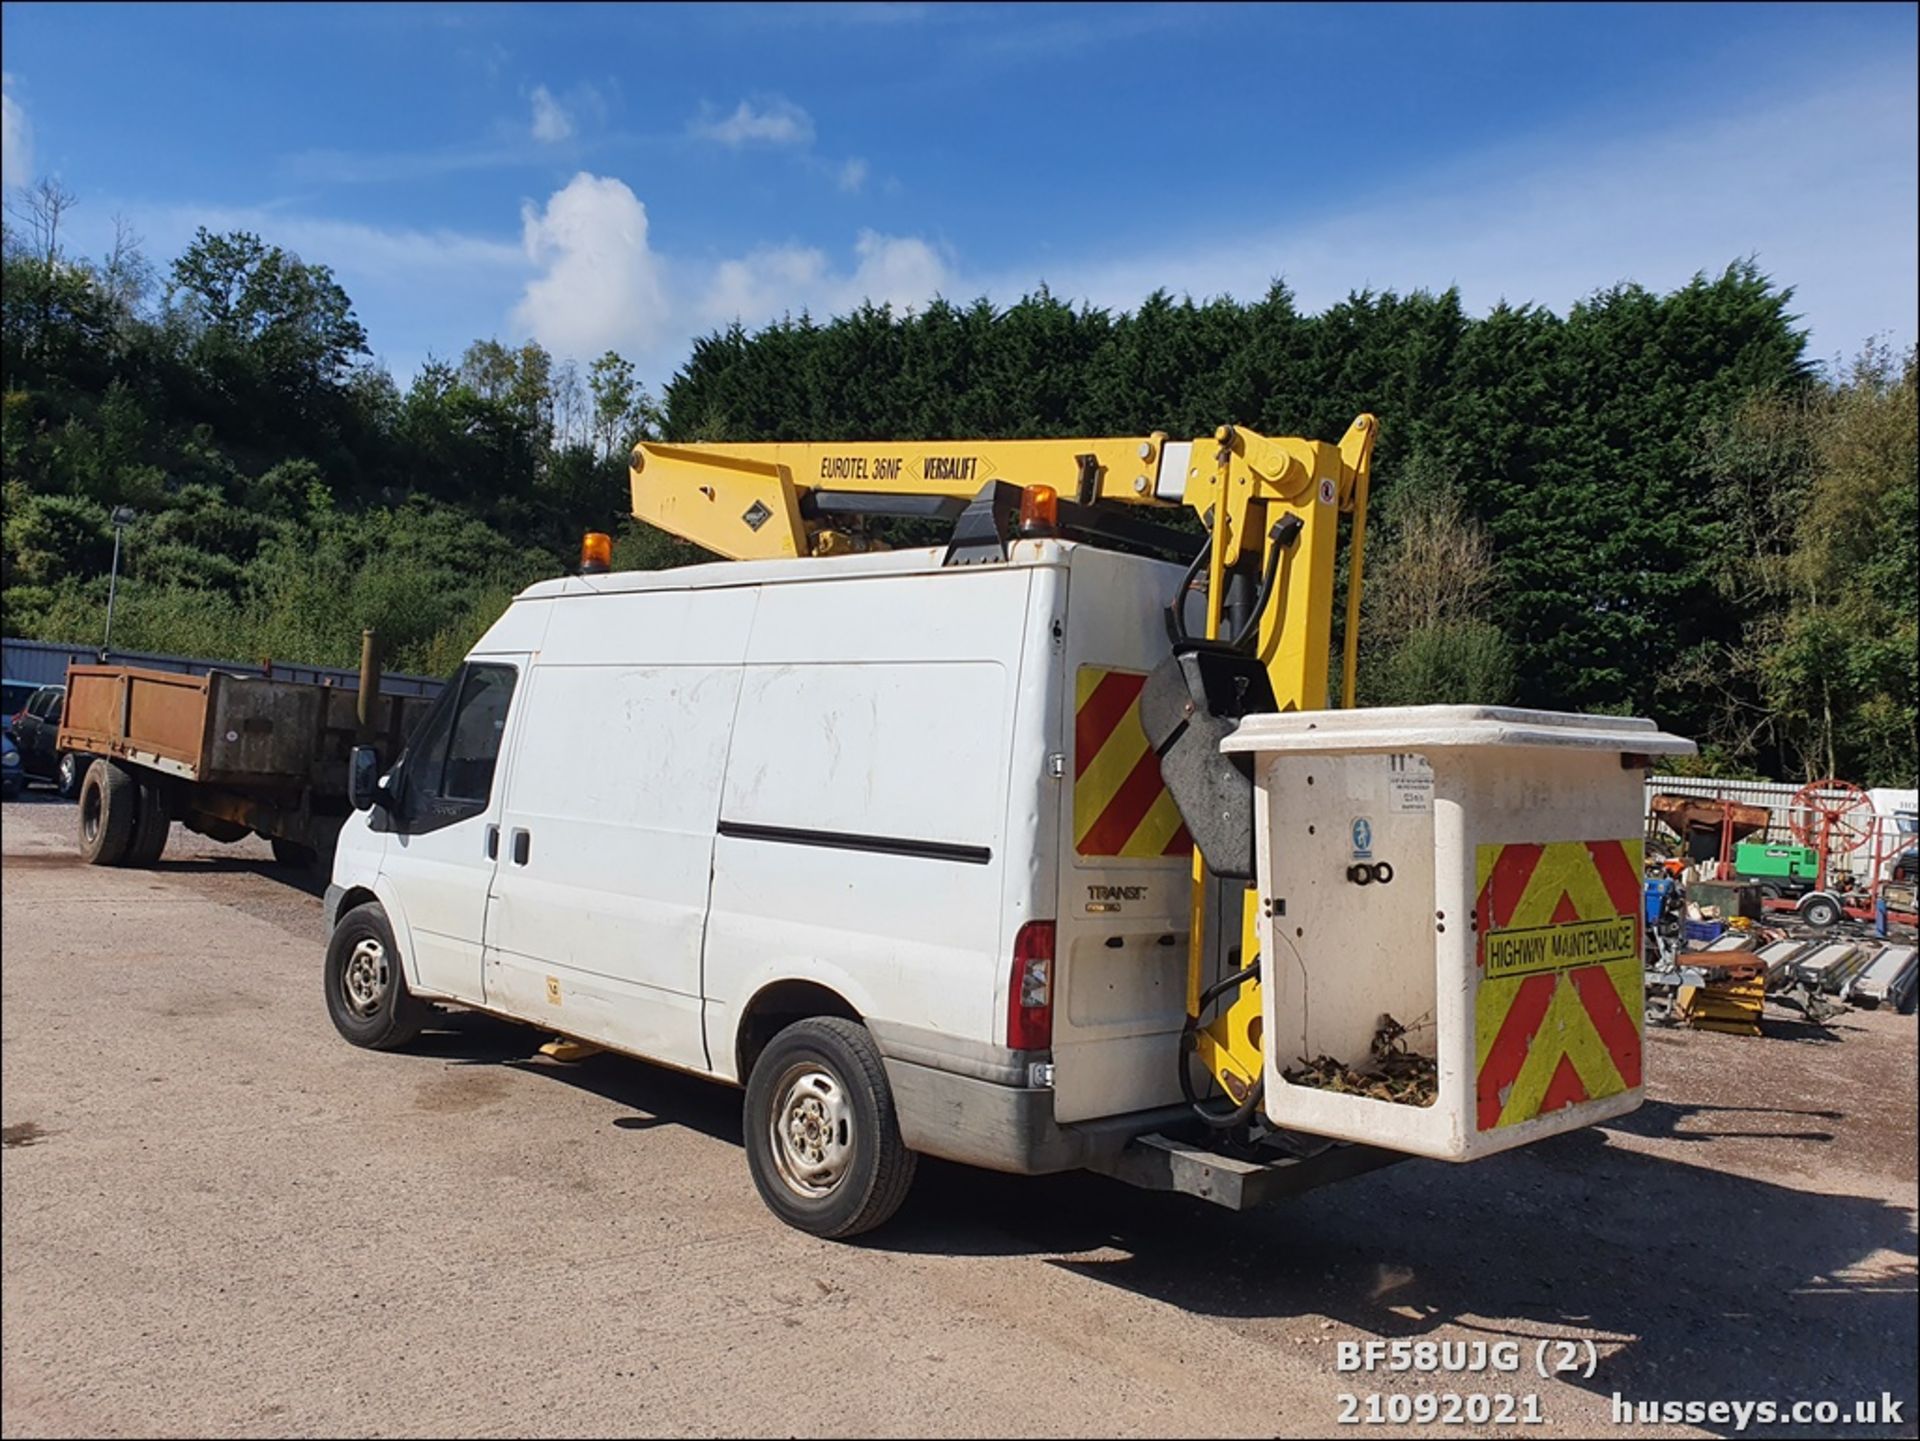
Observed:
{"x":722,"y":573}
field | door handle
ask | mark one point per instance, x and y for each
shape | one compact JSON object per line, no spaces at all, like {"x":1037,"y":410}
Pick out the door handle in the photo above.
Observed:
{"x":522,"y":845}
{"x":493,"y":843}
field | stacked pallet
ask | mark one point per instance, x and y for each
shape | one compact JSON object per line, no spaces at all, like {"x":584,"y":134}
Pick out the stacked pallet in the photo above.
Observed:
{"x":1730,"y":1000}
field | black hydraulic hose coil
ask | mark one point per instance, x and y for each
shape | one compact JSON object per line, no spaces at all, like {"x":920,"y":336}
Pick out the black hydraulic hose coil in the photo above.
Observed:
{"x":1240,"y":1114}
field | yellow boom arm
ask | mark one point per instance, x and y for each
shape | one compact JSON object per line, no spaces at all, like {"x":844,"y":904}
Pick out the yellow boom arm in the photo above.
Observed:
{"x":1266,"y":503}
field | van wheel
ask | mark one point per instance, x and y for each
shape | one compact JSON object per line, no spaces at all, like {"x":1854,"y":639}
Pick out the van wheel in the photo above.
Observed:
{"x":108,"y":796}
{"x":152,"y":823}
{"x":71,"y":771}
{"x":367,"y":994}
{"x":823,"y":1141}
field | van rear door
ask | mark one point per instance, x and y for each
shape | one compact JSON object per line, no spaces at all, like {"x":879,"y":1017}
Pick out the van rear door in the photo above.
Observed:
{"x":1125,"y":856}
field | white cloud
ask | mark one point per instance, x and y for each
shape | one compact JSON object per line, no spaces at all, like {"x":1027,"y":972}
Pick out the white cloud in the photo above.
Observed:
{"x":1548,"y":223}
{"x":775,"y":121}
{"x":852,"y":175}
{"x":551,"y":123}
{"x":894,"y":270}
{"x":16,"y":139}
{"x":350,"y":249}
{"x":601,"y":284}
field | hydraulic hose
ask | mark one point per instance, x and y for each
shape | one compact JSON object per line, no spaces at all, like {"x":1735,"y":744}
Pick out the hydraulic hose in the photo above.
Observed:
{"x":1260,"y":598}
{"x":1280,"y":538}
{"x":1177,"y":607}
{"x":1240,"y":1114}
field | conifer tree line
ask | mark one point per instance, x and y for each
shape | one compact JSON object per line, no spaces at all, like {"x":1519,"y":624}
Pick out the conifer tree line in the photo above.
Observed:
{"x":1655,"y":504}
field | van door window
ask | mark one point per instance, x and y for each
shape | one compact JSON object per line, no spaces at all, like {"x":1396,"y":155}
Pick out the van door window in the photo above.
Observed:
{"x":474,"y":749}
{"x":448,"y":775}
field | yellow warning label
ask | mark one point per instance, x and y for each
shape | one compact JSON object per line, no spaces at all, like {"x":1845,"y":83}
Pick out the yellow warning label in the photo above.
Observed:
{"x":1554,"y":948}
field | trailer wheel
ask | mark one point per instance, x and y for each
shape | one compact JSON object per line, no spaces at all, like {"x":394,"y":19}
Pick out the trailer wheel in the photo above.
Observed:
{"x":71,"y":771}
{"x":823,"y":1142}
{"x":152,"y":823}
{"x":367,"y":994}
{"x":1821,"y":911}
{"x":108,"y":797}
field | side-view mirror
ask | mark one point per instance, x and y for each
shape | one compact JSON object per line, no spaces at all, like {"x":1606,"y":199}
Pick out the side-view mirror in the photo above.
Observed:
{"x":364,"y":789}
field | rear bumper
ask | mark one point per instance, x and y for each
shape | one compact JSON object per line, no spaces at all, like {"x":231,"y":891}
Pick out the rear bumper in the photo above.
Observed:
{"x":1011,"y":1128}
{"x":1005,"y":1128}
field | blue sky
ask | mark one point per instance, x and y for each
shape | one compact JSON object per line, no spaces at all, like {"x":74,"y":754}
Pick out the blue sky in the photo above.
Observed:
{"x":631,"y":176}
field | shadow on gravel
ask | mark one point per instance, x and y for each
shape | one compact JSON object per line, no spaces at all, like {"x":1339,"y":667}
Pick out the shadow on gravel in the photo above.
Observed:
{"x":293,"y":877}
{"x":1664,"y":1119}
{"x":35,"y":796}
{"x":660,"y":1096}
{"x":1712,"y":1285}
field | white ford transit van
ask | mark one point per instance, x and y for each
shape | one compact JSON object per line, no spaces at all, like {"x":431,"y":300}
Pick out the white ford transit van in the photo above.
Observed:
{"x":881,"y":841}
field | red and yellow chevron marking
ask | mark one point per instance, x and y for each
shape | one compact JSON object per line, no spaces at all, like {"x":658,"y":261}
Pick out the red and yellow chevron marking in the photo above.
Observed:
{"x":1120,"y":805}
{"x":1559,"y":1009}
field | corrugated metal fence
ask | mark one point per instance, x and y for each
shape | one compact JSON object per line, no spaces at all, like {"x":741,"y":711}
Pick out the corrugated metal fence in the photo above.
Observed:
{"x":44,"y":662}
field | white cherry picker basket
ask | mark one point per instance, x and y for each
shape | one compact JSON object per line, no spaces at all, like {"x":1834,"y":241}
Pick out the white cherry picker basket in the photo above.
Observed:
{"x":1460,"y":884}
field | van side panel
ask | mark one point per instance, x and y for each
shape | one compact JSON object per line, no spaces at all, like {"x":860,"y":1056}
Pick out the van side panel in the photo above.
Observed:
{"x":862,"y":822}
{"x":616,"y":781}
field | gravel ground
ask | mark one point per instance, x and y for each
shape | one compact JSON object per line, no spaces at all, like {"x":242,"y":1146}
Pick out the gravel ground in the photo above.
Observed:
{"x":221,"y":1220}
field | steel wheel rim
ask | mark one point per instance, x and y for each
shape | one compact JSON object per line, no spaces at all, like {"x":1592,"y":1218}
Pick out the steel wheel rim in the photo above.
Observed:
{"x":69,"y":770}
{"x":811,"y":1130}
{"x":365,"y":977}
{"x":90,"y":814}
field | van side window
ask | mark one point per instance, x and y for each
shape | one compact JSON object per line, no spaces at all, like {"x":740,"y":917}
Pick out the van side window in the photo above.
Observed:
{"x":450,"y":760}
{"x":474,"y":749}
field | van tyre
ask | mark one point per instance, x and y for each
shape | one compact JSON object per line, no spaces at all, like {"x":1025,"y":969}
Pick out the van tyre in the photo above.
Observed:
{"x":109,"y":795}
{"x":367,"y":994}
{"x":823,"y":1139}
{"x":69,"y":774}
{"x":152,"y":821}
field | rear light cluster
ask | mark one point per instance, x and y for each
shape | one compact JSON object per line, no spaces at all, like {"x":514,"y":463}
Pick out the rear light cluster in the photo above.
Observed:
{"x":1030,"y":995}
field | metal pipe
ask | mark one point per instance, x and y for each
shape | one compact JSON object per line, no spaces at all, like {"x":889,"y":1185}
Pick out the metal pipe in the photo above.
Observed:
{"x":113,"y":586}
{"x":366,"y":704}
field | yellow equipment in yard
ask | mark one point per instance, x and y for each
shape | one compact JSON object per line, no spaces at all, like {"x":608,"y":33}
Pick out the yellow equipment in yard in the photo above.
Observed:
{"x":1271,"y":510}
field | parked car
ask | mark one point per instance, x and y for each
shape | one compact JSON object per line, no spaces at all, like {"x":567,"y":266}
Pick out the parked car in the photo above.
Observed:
{"x":36,"y":730}
{"x":14,"y":695}
{"x":10,"y":776}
